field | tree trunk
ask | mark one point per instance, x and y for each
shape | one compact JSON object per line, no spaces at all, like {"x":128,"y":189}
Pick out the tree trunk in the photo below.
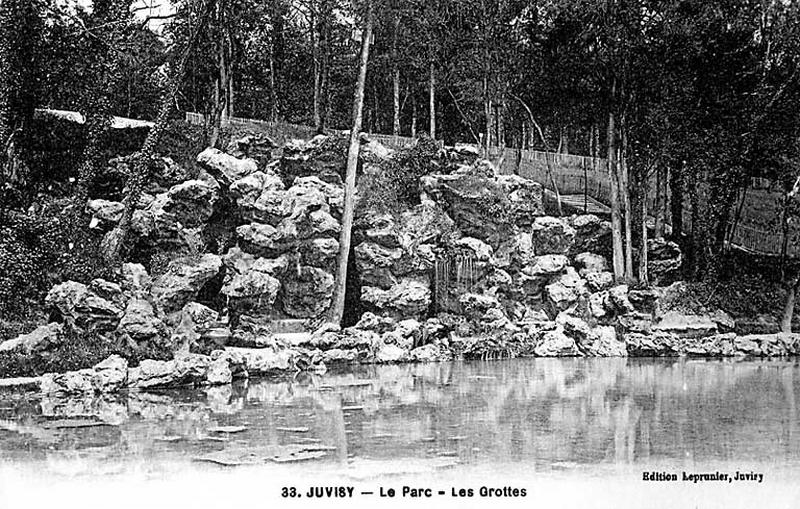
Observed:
{"x":616,"y":218}
{"x":395,"y":81}
{"x":114,"y":240}
{"x":626,"y":205}
{"x":788,"y":307}
{"x":273,"y":91}
{"x":660,"y":202}
{"x":413,"y":116}
{"x":676,"y":202}
{"x":317,"y":71}
{"x":337,"y":304}
{"x":643,"y":274}
{"x":432,"y":101}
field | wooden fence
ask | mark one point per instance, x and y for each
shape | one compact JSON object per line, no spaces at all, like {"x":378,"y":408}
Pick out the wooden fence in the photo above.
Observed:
{"x":281,"y":132}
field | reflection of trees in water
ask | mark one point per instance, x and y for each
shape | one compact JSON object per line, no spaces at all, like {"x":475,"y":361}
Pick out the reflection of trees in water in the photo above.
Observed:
{"x":536,"y":411}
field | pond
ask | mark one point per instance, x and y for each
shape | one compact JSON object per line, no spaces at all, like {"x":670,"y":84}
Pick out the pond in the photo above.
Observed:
{"x":570,"y":432}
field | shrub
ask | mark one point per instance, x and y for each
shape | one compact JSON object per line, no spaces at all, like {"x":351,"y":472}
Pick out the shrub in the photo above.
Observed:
{"x":396,"y":185}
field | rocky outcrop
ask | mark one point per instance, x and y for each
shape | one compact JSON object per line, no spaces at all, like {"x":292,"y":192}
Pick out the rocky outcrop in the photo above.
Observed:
{"x":182,"y":281}
{"x":76,"y":304}
{"x":225,"y":167}
{"x":41,"y":339}
{"x":108,"y":376}
{"x":664,"y":259}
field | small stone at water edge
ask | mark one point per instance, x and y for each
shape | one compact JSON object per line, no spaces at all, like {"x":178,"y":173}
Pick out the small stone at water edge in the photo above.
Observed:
{"x":299,"y":429}
{"x":227,"y":429}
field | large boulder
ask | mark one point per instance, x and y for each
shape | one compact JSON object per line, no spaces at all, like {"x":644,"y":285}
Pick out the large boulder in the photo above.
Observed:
{"x":526,"y":197}
{"x":376,"y":264}
{"x":657,"y":344}
{"x":322,"y":156}
{"x":183,"y":280}
{"x":78,"y":305}
{"x":321,"y":253}
{"x":140,"y":322}
{"x":224,"y":167}
{"x":592,"y":234}
{"x":262,"y":361}
{"x":476,"y":202}
{"x":407,"y":299}
{"x":307,"y":292}
{"x":105,"y":214}
{"x":602,"y":341}
{"x":110,"y":375}
{"x":190,"y":369}
{"x":565,"y":291}
{"x":664,"y":259}
{"x":192,"y":202}
{"x":556,"y":343}
{"x":551,"y":235}
{"x":40,"y":339}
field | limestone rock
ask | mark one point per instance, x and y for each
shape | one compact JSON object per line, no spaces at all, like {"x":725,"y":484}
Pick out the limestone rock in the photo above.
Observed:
{"x":79,"y":305}
{"x":321,"y":253}
{"x":71,"y":382}
{"x":566,"y":290}
{"x":261,"y":361}
{"x":219,"y":372}
{"x":408,"y":298}
{"x":105,"y":214}
{"x":189,"y":369}
{"x":183,"y":280}
{"x":429,"y":353}
{"x":387,"y":354}
{"x":140,"y":321}
{"x":308,"y":292}
{"x":192,"y":202}
{"x":40,"y":339}
{"x":481,"y":251}
{"x":657,"y":344}
{"x":135,"y":280}
{"x":200,"y":315}
{"x":110,"y":375}
{"x":476,"y":202}
{"x":526,"y":197}
{"x":224,"y":167}
{"x":664,"y":260}
{"x":602,"y":341}
{"x":551,"y":235}
{"x":556,"y":343}
{"x":591,"y":235}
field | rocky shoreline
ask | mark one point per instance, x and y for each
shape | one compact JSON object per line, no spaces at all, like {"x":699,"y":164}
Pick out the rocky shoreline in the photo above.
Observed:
{"x":471,"y":268}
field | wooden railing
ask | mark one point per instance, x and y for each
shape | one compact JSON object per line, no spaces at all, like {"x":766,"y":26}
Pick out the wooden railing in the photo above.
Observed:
{"x":281,"y":132}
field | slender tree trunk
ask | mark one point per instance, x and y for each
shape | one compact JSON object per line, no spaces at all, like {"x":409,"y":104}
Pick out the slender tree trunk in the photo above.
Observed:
{"x":626,"y":205}
{"x":273,"y":91}
{"x":616,"y":218}
{"x":337,"y":305}
{"x":785,"y":234}
{"x":432,"y":100}
{"x":114,"y":241}
{"x":676,"y":201}
{"x":660,"y":200}
{"x":643,"y":274}
{"x":395,"y":81}
{"x":317,"y":73}
{"x":413,"y":116}
{"x":788,"y":307}
{"x":548,"y":163}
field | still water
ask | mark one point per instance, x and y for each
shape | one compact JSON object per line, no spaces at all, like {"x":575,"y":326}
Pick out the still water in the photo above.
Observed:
{"x":571,"y":432}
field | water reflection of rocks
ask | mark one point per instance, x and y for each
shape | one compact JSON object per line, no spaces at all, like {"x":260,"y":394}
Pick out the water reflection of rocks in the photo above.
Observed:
{"x":539,"y":413}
